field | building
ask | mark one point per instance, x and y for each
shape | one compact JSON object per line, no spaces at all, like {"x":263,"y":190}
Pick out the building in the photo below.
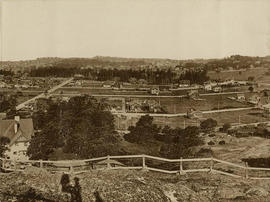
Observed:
{"x":194,"y":114}
{"x":184,"y":83}
{"x":208,"y":86}
{"x":108,"y":84}
{"x":19,"y":131}
{"x":193,"y":93}
{"x":266,"y":92}
{"x":155,"y":90}
{"x":241,"y":97}
{"x":255,"y":99}
{"x":217,"y":89}
{"x":266,"y":110}
{"x":78,"y":76}
{"x":3,"y":115}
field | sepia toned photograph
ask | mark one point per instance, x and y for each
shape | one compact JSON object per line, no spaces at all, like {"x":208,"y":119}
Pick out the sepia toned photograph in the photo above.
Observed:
{"x":133,"y":101}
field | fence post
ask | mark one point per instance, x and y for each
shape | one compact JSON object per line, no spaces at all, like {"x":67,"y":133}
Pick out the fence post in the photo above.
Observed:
{"x":144,"y":167}
{"x":41,"y":164}
{"x":211,"y":165}
{"x":71,"y":169}
{"x":4,"y":163}
{"x":15,"y":165}
{"x":246,"y":170}
{"x":108,"y":162}
{"x":181,"y":171}
{"x":143,"y":161}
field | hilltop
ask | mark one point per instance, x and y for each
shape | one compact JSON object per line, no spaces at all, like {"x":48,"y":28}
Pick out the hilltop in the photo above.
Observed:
{"x":123,"y":185}
{"x":234,"y":61}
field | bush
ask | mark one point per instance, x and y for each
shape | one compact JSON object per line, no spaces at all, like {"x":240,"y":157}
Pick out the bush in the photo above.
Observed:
{"x":211,"y":143}
{"x":205,"y":152}
{"x":258,"y":162}
{"x":251,"y":89}
{"x":225,"y":127}
{"x":208,"y":124}
{"x":239,"y":134}
{"x":222,"y":142}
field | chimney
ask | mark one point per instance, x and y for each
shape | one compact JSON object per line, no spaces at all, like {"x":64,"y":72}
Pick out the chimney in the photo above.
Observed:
{"x":17,"y":124}
{"x":17,"y":118}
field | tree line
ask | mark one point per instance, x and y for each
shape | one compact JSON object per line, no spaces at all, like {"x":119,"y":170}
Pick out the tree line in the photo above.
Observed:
{"x":79,"y":128}
{"x":6,"y":72}
{"x":152,"y":76}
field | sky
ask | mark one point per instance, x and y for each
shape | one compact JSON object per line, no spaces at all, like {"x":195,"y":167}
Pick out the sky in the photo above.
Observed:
{"x":176,"y":29}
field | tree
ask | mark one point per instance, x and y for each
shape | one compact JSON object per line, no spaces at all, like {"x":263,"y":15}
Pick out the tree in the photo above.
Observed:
{"x":144,"y":130}
{"x":132,"y":80}
{"x":208,"y":124}
{"x":4,"y":141}
{"x":225,"y":127}
{"x":8,"y":105}
{"x":82,"y":127}
{"x":182,"y":143}
{"x":251,"y":89}
{"x":142,"y":81}
{"x":251,"y":78}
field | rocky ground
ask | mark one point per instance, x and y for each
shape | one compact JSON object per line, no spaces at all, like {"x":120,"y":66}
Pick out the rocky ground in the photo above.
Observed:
{"x":39,"y":185}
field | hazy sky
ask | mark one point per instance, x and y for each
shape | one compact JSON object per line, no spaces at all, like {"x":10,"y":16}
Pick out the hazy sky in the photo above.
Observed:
{"x":176,"y":29}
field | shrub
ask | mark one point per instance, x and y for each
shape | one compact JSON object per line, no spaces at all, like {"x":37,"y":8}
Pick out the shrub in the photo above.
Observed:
{"x":211,"y":143}
{"x":258,"y":162}
{"x":208,"y":124}
{"x":222,"y":142}
{"x":205,"y":152}
{"x":225,"y":127}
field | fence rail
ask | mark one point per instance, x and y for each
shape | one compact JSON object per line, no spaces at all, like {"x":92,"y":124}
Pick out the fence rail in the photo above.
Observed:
{"x":144,"y":162}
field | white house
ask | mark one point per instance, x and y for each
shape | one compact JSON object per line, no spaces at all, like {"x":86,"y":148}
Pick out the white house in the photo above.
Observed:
{"x":19,"y":131}
{"x":108,"y":84}
{"x":241,"y":96}
{"x":266,"y":110}
{"x":208,"y":86}
{"x":217,"y":89}
{"x":155,"y":90}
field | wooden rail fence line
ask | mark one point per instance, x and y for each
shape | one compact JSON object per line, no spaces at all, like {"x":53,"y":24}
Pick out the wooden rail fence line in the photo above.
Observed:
{"x":213,"y":165}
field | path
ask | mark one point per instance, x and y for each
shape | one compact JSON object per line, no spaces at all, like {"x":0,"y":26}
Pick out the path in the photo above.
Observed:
{"x":22,"y":105}
{"x":181,"y":114}
{"x":150,"y":96}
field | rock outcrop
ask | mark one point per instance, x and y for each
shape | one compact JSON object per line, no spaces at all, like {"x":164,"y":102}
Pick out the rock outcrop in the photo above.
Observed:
{"x":122,"y":185}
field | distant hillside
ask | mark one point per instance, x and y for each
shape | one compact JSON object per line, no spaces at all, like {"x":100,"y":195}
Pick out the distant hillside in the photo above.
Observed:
{"x":232,"y":62}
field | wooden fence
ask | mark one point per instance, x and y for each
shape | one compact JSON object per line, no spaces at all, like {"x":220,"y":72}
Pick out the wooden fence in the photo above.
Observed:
{"x":144,"y":162}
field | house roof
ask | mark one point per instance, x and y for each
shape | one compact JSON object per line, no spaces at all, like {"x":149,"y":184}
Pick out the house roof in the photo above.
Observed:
{"x":25,"y":130}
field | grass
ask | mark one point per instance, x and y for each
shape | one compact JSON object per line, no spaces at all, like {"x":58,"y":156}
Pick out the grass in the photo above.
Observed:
{"x":258,"y":73}
{"x":181,"y":105}
{"x":246,"y":116}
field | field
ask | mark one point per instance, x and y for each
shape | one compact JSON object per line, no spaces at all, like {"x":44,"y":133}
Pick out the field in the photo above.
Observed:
{"x":258,"y":73}
{"x":246,"y":116}
{"x":181,"y":105}
{"x":99,"y":91}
